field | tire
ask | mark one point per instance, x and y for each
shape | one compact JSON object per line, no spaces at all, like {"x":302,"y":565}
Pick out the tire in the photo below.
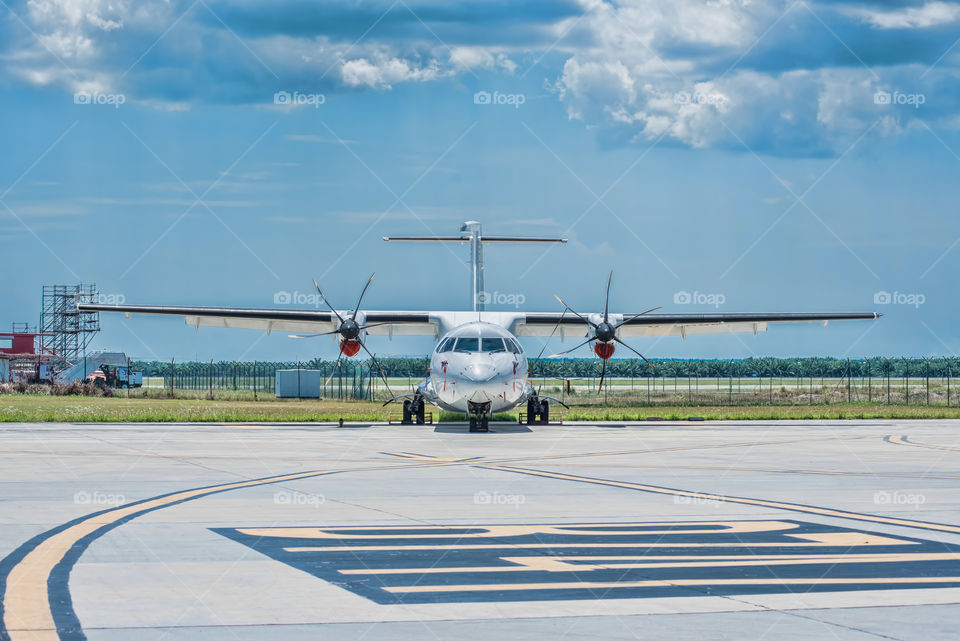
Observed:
{"x":473,"y":423}
{"x":407,"y":414}
{"x":485,"y":423}
{"x":421,"y":414}
{"x":545,"y":413}
{"x":531,"y":413}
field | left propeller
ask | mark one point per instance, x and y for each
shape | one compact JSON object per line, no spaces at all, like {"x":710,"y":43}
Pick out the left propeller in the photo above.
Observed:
{"x":351,"y":332}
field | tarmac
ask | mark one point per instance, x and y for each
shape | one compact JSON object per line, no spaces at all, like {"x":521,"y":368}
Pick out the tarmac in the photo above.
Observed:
{"x":667,"y":530}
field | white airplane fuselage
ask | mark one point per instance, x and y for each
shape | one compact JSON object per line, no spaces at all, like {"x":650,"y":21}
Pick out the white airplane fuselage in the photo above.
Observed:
{"x":474,"y":364}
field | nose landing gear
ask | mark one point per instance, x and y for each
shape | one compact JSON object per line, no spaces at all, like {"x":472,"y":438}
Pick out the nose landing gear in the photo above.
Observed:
{"x":479,"y":417}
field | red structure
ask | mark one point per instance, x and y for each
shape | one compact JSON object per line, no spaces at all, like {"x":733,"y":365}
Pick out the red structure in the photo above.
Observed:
{"x":22,"y":361}
{"x":18,"y":343}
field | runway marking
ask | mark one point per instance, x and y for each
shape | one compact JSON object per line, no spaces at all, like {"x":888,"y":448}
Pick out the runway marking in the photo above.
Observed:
{"x":780,"y":505}
{"x":903,"y":440}
{"x":424,"y":457}
{"x":35,"y":601}
{"x":36,"y":574}
{"x":419,"y":532}
{"x":725,"y":468}
{"x":674,"y":583}
{"x":561,"y":564}
{"x":403,"y":564}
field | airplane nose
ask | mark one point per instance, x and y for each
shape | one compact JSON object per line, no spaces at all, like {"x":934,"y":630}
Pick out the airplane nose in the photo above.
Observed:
{"x":480,"y":372}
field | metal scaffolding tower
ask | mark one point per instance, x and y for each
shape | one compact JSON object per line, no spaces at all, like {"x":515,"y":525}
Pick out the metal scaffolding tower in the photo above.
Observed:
{"x":64,"y":331}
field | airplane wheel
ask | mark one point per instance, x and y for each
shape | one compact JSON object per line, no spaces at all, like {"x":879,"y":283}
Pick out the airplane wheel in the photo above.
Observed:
{"x":473,"y":423}
{"x":545,"y":413}
{"x":407,"y":414}
{"x":421,"y":415}
{"x":531,"y":413}
{"x":485,"y":423}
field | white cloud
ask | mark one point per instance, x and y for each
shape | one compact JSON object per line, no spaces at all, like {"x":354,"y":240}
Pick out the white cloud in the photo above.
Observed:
{"x":386,"y":72}
{"x":931,"y":14}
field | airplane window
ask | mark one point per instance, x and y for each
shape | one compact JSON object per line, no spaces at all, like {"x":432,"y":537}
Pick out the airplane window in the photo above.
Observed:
{"x":512,"y":346}
{"x":446,"y":345}
{"x":492,"y":345}
{"x":468,"y":344}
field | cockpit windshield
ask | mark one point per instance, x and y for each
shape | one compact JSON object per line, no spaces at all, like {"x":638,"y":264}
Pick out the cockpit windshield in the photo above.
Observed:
{"x":479,"y":344}
{"x":491,"y":345}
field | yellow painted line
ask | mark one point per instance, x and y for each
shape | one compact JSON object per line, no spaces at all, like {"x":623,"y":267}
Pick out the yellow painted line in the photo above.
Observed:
{"x":427,"y":457}
{"x":902,"y":440}
{"x":779,"y":505}
{"x":500,"y":531}
{"x":611,"y":585}
{"x":26,"y":604}
{"x":819,"y":539}
{"x":574,"y":563}
{"x":771,"y":470}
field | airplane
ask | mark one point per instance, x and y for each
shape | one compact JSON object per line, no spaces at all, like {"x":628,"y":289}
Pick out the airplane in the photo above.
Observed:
{"x":478,"y":366}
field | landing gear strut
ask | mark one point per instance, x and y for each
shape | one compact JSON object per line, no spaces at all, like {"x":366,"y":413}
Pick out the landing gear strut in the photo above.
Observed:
{"x":479,"y":417}
{"x":538,"y":411}
{"x":413,"y":411}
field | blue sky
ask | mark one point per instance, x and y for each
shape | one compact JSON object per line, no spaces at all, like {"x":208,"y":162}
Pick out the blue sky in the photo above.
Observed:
{"x":773,"y":156}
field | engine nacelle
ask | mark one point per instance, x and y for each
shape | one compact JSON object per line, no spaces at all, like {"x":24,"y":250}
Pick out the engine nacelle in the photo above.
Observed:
{"x":603,"y":350}
{"x":349,"y":348}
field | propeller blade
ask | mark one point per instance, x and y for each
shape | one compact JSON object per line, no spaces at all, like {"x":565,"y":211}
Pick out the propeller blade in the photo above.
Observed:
{"x":571,"y":350}
{"x":375,"y":325}
{"x":383,"y":375}
{"x":311,"y":335}
{"x":546,"y":342}
{"x":627,"y":320}
{"x":575,"y":312}
{"x":603,"y":374}
{"x":326,"y":302}
{"x":334,"y":371}
{"x":606,"y":302}
{"x":551,"y":335}
{"x":354,"y":317}
{"x":635,"y":352}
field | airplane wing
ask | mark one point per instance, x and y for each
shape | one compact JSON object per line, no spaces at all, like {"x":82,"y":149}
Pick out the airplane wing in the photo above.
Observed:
{"x":543,"y":324}
{"x":303,"y":321}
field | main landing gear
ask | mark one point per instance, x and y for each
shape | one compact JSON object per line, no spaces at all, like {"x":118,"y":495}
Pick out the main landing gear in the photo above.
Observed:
{"x":538,"y":411}
{"x":479,"y":417}
{"x":413,"y":411}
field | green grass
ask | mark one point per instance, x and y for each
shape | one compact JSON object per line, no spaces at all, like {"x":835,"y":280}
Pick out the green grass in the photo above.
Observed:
{"x":81,"y":409}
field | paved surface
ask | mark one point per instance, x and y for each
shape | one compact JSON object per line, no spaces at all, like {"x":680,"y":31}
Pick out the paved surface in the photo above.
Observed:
{"x":790,"y":530}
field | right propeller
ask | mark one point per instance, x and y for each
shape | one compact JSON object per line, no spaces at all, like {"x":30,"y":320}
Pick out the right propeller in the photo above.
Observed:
{"x":604,"y":334}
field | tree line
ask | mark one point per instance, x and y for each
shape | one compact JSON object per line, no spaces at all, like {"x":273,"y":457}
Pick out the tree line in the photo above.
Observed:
{"x":805,"y":367}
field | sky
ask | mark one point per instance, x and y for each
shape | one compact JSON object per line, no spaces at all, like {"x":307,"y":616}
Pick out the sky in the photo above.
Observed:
{"x":731,"y":156}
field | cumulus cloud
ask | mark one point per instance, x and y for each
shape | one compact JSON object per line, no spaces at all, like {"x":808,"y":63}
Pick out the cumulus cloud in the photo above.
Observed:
{"x":927,"y":15}
{"x":776,"y":76}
